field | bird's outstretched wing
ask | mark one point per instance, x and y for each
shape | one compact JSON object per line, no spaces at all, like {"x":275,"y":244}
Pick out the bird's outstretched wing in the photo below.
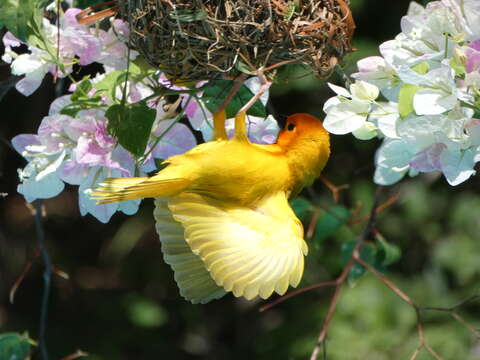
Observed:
{"x":251,"y":252}
{"x":193,"y":279}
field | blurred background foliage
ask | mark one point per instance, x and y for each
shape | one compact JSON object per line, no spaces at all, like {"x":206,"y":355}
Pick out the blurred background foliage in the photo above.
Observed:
{"x":121,"y":301}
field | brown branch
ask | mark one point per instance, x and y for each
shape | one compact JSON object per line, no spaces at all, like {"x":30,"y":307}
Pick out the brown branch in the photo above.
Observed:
{"x":421,"y":333}
{"x":334,"y":189}
{"x":77,"y":354}
{"x":340,"y":281}
{"x":22,"y":276}
{"x":296,"y":292}
{"x":313,"y":223}
{"x":237,"y":82}
{"x":452,"y":310}
{"x":392,"y":200}
{"x":265,"y":85}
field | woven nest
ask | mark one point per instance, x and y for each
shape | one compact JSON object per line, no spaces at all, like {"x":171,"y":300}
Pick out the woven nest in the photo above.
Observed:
{"x":204,"y":39}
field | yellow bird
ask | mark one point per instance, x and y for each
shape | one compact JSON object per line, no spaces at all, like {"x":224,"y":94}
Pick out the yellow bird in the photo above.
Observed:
{"x":222,"y":209}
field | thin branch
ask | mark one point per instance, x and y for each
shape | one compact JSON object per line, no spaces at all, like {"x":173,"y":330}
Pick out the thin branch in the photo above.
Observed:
{"x":392,"y":200}
{"x":296,"y":292}
{"x":340,"y":281}
{"x":47,"y":275}
{"x":334,"y":189}
{"x":265,"y":85}
{"x":20,"y":279}
{"x":239,"y":80}
{"x":75,"y":355}
{"x":421,"y":333}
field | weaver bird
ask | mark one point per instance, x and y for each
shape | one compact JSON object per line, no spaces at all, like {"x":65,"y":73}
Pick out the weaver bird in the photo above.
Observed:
{"x":222,"y":209}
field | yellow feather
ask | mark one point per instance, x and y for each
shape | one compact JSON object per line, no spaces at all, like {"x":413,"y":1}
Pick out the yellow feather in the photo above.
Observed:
{"x":252,"y":252}
{"x":193,"y":279}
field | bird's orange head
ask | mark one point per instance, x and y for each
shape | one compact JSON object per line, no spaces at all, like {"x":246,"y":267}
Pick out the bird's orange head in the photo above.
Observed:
{"x":301,"y":127}
{"x":307,"y":146}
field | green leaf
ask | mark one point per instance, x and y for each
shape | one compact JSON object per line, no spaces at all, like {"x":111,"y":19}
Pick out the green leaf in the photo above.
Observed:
{"x":329,"y":223}
{"x":82,"y":89}
{"x":131,"y":124}
{"x":421,"y":68}
{"x":14,"y":346}
{"x":72,"y":109}
{"x":367,"y":254}
{"x":110,"y":82}
{"x":387,"y":253}
{"x":22,"y":17}
{"x":144,"y":312}
{"x":290,"y":10}
{"x":216,"y":91}
{"x":302,"y":208}
{"x":458,"y":67}
{"x":405,"y":99}
{"x":15,"y":15}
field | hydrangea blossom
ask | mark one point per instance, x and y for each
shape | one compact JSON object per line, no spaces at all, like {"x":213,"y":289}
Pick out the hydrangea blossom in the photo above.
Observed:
{"x":430,"y":76}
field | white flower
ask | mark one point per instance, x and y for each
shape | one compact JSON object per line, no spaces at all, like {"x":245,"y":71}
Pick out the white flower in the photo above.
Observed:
{"x":392,"y":161}
{"x":366,"y":132}
{"x":348,"y":111}
{"x":34,"y":67}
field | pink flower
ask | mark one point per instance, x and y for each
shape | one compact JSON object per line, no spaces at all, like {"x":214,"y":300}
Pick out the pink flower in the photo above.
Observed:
{"x":473,"y":56}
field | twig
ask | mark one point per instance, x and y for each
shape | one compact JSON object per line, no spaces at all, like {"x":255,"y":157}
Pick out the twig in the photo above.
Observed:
{"x":239,"y":80}
{"x":265,"y":85}
{"x":77,"y":354}
{"x":452,"y":310}
{"x":421,"y":333}
{"x":340,"y":281}
{"x":47,"y":275}
{"x":20,"y":279}
{"x":392,"y":200}
{"x":334,"y":189}
{"x":296,"y":292}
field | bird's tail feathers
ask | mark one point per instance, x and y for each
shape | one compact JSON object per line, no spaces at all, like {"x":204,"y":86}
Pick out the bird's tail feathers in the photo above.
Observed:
{"x":121,"y":189}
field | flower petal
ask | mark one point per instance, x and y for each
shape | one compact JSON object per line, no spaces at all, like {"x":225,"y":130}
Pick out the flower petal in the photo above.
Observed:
{"x":346,"y":117}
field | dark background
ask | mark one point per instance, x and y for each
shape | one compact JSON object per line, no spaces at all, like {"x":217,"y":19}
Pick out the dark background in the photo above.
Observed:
{"x":121,"y":301}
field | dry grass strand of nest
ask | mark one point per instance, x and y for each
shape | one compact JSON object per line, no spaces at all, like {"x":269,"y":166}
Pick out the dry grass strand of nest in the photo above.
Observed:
{"x":204,"y":39}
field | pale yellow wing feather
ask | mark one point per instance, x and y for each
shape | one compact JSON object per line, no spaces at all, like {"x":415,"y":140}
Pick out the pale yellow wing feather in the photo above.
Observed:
{"x":251,"y":252}
{"x":193,"y":279}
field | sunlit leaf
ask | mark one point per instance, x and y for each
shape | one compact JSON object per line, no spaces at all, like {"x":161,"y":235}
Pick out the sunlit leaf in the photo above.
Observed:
{"x":421,"y":68}
{"x":82,"y":89}
{"x":405,"y":99}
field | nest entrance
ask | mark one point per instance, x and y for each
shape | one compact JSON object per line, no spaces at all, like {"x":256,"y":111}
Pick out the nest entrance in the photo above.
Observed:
{"x":203,"y":39}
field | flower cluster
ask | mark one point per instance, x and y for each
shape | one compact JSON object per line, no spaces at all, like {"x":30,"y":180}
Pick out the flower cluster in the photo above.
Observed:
{"x":80,"y":44}
{"x":429,"y":79}
{"x":79,"y":151}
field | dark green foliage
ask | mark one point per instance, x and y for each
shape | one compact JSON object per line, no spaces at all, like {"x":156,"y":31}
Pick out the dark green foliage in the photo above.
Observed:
{"x":216,"y":91}
{"x":14,"y":346}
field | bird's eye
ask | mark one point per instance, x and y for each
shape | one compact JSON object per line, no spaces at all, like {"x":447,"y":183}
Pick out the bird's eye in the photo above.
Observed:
{"x":290,"y":127}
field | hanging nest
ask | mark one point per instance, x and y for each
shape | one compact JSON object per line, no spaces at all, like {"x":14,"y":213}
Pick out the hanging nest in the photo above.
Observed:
{"x":203,"y":39}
